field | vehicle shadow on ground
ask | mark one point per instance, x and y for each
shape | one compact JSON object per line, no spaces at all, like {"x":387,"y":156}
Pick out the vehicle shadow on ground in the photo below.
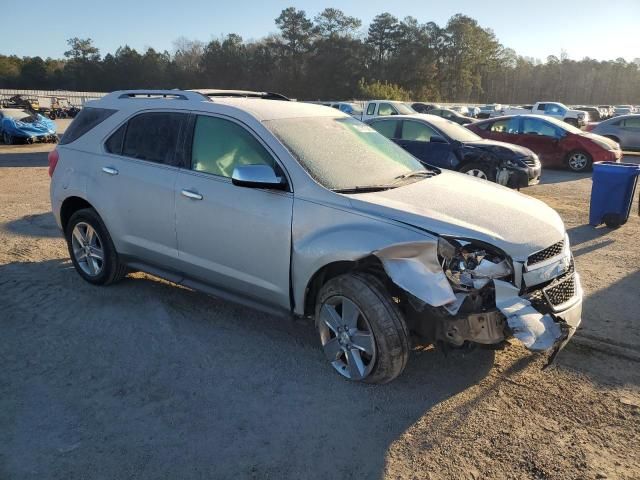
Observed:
{"x":620,"y":326}
{"x":26,"y":159}
{"x":552,"y":175}
{"x":38,"y":225}
{"x":165,"y":382}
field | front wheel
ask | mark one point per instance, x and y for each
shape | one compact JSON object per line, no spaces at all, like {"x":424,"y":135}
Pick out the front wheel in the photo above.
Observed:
{"x":362,"y":331}
{"x":479,"y":171}
{"x":579,"y":161}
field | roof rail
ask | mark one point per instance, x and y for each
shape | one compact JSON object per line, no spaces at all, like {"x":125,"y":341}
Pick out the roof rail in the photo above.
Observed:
{"x":213,"y":93}
{"x":152,"y":94}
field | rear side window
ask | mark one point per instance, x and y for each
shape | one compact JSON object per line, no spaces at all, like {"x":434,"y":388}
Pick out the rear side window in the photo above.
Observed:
{"x":633,"y":122}
{"x":153,"y":137}
{"x":508,"y":125}
{"x":114,"y":143}
{"x":87,"y":119}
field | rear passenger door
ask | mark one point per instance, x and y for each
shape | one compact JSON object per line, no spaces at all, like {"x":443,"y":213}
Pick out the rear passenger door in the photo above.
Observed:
{"x":133,"y":184}
{"x":236,"y":239}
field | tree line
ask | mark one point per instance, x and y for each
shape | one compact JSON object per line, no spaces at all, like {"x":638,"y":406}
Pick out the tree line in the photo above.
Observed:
{"x":330,"y":56}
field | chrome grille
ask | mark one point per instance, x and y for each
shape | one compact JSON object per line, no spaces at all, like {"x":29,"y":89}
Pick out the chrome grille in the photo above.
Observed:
{"x":549,"y":252}
{"x":530,"y":161}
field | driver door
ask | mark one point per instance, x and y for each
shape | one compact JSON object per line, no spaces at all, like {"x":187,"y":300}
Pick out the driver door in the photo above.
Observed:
{"x":416,"y":137}
{"x":237,"y":239}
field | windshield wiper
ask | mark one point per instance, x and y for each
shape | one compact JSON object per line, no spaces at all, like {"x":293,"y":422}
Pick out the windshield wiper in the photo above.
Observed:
{"x":364,"y":188}
{"x":378,"y":188}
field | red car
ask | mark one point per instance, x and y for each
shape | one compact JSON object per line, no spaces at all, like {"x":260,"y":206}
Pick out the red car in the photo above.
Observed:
{"x":556,"y":143}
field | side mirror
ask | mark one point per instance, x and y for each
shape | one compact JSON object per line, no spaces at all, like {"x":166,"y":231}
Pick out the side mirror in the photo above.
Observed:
{"x":257,"y":176}
{"x":437,"y":139}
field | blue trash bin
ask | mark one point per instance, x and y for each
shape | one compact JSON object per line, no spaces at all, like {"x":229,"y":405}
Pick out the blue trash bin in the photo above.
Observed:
{"x":612,"y":192}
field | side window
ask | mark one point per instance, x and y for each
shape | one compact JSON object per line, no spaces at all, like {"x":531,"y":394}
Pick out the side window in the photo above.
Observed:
{"x":153,"y":136}
{"x":87,"y":119}
{"x":386,"y":109}
{"x":219,"y":146}
{"x":633,"y":122}
{"x":508,"y":125}
{"x":371,"y":109}
{"x":386,"y":128}
{"x":114,"y":143}
{"x":535,"y":126}
{"x":417,"y":132}
{"x":542,"y":107}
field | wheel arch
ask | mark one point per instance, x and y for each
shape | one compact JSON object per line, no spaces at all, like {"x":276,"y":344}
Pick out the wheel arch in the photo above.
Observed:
{"x":71,"y":205}
{"x":369,"y":264}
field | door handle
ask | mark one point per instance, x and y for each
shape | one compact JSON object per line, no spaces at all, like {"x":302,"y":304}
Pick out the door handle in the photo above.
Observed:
{"x":110,"y":170}
{"x":191,"y":195}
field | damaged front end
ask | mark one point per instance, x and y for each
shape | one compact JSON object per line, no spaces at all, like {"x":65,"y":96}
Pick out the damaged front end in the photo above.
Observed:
{"x":465,"y":291}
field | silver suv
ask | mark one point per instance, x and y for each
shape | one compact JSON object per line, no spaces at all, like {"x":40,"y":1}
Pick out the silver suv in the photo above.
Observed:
{"x":303,"y":210}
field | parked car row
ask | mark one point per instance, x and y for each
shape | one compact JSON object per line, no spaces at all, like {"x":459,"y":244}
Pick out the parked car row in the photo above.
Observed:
{"x":556,"y":143}
{"x":354,"y":233}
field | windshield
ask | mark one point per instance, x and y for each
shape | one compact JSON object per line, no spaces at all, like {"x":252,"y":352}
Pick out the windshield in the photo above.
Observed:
{"x":343,"y":153}
{"x":404,"y":109}
{"x":563,"y":125}
{"x":457,"y":132}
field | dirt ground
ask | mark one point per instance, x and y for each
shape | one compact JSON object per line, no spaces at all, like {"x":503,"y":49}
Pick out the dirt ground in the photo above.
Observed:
{"x":148,"y":380}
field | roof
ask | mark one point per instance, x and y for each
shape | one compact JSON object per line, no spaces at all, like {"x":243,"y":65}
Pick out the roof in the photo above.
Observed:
{"x":260,"y":108}
{"x":272,"y":110}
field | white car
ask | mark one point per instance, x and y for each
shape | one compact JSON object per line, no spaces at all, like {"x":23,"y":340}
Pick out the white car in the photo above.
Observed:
{"x":302,"y":210}
{"x":381,"y":108}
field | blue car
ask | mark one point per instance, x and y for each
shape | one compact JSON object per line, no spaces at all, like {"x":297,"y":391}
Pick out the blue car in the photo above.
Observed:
{"x":22,"y":126}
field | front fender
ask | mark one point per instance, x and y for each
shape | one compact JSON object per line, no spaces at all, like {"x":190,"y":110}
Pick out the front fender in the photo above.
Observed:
{"x":324,"y":234}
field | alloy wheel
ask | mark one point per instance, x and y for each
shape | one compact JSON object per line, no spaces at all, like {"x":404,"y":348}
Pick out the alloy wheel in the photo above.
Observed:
{"x":87,"y":249}
{"x":578,"y":161}
{"x":347,"y":338}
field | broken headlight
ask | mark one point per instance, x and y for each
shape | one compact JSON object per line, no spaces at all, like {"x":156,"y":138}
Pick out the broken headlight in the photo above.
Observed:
{"x":470,"y":266}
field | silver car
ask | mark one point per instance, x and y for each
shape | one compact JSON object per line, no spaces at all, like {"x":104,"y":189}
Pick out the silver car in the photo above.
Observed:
{"x":624,"y":129}
{"x":297,"y":209}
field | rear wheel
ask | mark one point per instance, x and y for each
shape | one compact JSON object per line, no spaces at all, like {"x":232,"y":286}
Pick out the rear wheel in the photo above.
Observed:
{"x":479,"y":171}
{"x":362,"y":331}
{"x":91,"y":249}
{"x":579,"y":161}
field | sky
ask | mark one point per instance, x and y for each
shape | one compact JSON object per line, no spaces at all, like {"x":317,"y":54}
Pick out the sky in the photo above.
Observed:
{"x":595,"y":28}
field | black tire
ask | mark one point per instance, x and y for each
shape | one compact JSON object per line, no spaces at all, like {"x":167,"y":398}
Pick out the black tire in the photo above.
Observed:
{"x":582,"y":166}
{"x":572,"y":121}
{"x":489,"y":173}
{"x":390,"y":333}
{"x":113,"y":270}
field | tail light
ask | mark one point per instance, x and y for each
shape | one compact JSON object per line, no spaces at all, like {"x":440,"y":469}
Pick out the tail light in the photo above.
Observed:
{"x":53,"y":161}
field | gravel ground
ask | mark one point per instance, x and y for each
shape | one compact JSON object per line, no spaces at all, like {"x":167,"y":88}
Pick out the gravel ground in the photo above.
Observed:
{"x":148,"y":380}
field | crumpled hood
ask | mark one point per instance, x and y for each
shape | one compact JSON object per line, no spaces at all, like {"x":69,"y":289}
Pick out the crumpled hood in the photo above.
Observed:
{"x":459,"y":205}
{"x":494,"y":146}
